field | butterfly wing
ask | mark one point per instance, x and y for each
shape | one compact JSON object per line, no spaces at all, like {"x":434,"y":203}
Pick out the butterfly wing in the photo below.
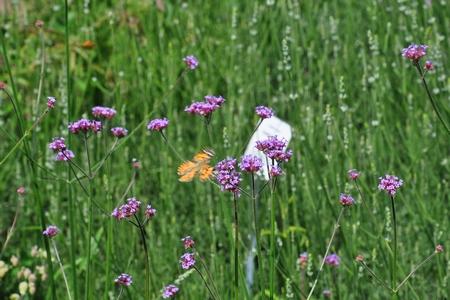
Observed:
{"x":205,"y":172}
{"x":187,"y":171}
{"x":199,"y":166}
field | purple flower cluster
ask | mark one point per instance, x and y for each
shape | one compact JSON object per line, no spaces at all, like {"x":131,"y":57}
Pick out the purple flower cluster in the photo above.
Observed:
{"x":124,"y":279}
{"x":51,"y":231}
{"x":127,"y":210}
{"x":150,"y":212}
{"x":57,"y":144}
{"x":119,"y":132}
{"x":333,"y":260}
{"x":353,"y":174}
{"x":188,"y":242}
{"x":346,"y":200}
{"x":414,"y":52}
{"x":390,"y":184}
{"x":303,"y":260}
{"x":158,"y":124}
{"x":274,"y":148}
{"x":191,"y":62}
{"x":170,"y":291}
{"x":206,"y":107}
{"x":275,"y":171}
{"x":64,"y":155}
{"x":264,"y":112}
{"x":429,"y":65}
{"x":51,"y":101}
{"x":187,"y":260}
{"x":227,"y":176}
{"x":250,"y":163}
{"x":85,"y":125}
{"x":103,"y":112}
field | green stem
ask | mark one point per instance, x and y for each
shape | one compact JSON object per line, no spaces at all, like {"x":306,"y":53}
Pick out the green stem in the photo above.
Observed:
{"x":72,"y":224}
{"x":414,"y":270}
{"x":336,"y":226}
{"x":205,"y":282}
{"x":375,"y":276}
{"x":394,"y":260}
{"x":236,"y":248}
{"x":255,"y":225}
{"x":91,"y":215}
{"x":147,"y":263}
{"x":208,"y":273}
{"x":433,"y":103}
{"x":272,"y":239}
{"x":62,"y":270}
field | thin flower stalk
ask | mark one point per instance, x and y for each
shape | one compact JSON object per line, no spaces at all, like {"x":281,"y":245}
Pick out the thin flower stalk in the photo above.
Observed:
{"x":430,"y":97}
{"x":236,"y":248}
{"x":62,"y":270}
{"x":394,"y":259}
{"x":208,"y":273}
{"x":90,"y":222}
{"x":146,"y":253}
{"x":380,"y":281}
{"x":414,"y":270}
{"x":205,"y":282}
{"x":336,"y":227}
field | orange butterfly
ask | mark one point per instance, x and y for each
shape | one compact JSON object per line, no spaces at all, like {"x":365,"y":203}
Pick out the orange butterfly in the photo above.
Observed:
{"x":198,"y":166}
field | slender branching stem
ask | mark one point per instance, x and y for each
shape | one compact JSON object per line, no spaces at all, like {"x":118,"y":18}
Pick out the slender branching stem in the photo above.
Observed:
{"x":336,"y":227}
{"x":205,"y":282}
{"x":378,"y":279}
{"x":394,"y":260}
{"x":208,"y":273}
{"x":62,"y":270}
{"x":414,"y":270}
{"x":90,"y":224}
{"x":236,"y":248}
{"x":433,"y":102}
{"x":147,"y":262}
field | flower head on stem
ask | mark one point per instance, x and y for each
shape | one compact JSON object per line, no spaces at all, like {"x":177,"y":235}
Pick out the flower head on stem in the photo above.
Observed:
{"x":158,"y":124}
{"x":170,"y":291}
{"x":124,"y":279}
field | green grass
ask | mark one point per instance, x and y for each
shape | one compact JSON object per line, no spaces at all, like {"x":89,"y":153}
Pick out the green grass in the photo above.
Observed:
{"x":331,"y":69}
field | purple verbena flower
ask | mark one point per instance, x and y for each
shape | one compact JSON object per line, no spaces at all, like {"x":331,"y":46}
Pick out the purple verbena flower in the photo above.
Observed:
{"x":119,"y":132}
{"x":150,"y":212}
{"x":21,"y":190}
{"x":103,"y":112}
{"x":84,"y":126}
{"x":170,"y":291}
{"x":57,"y":144}
{"x":390,"y":184}
{"x":415,"y":52}
{"x":126,"y":210}
{"x":226,"y":175}
{"x":187,"y":260}
{"x":250,"y":163}
{"x":303,"y":260}
{"x":191,"y":62}
{"x":275,"y":171}
{"x":439,"y":248}
{"x":158,"y":124}
{"x":51,"y":231}
{"x":353,"y":174}
{"x":264,"y":112}
{"x":51,"y":101}
{"x":333,"y":260}
{"x":124,"y":279}
{"x":201,"y":108}
{"x":346,"y":200}
{"x":214,"y":100}
{"x":274,"y":148}
{"x":429,"y":65}
{"x":64,"y":155}
{"x":188,"y":242}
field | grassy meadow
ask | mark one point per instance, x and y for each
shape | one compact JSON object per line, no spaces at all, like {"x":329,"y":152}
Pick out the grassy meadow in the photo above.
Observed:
{"x":331,"y":69}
